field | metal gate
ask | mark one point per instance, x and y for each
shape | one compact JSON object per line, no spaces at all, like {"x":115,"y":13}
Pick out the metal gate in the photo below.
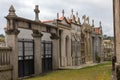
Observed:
{"x":46,"y":56}
{"x":26,"y":58}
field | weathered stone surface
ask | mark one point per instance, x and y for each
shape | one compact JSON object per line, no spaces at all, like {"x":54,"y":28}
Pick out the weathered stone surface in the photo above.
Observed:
{"x":5,"y":72}
{"x":38,"y":52}
{"x":63,"y":54}
{"x":116,"y":12}
{"x":118,"y":72}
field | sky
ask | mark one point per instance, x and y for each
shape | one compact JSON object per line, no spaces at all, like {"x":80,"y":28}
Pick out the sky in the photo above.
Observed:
{"x":97,"y":10}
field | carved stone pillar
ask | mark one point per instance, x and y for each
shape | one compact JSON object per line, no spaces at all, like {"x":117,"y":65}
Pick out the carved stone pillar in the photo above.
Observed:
{"x":55,"y":55}
{"x":68,"y":48}
{"x":38,"y":54}
{"x":87,"y":50}
{"x":116,"y":11}
{"x":91,"y":50}
{"x":63,"y":59}
{"x":12,"y":41}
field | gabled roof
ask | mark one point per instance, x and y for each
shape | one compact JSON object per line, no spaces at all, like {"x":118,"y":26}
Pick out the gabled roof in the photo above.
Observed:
{"x":64,"y":19}
{"x":61,"y":19}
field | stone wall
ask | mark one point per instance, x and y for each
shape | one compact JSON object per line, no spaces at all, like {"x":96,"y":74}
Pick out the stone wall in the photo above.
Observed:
{"x":5,"y":67}
{"x":6,"y":72}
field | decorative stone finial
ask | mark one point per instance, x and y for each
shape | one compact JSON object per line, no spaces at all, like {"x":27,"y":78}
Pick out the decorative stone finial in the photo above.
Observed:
{"x":63,"y":12}
{"x":87,"y":19}
{"x":84,"y":18}
{"x":36,"y":10}
{"x":57,"y":15}
{"x":77,"y":18}
{"x":92,"y":23}
{"x":100,"y":24}
{"x":11,"y":11}
{"x":72,"y":11}
{"x":77,"y":14}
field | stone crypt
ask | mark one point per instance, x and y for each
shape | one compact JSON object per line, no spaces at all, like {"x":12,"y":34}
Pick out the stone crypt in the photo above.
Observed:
{"x":35,"y":46}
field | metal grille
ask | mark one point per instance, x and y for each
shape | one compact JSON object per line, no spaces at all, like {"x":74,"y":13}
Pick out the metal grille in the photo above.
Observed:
{"x":46,"y":56}
{"x":26,"y":58}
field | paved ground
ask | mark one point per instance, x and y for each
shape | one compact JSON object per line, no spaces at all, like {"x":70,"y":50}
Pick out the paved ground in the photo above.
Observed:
{"x":78,"y":67}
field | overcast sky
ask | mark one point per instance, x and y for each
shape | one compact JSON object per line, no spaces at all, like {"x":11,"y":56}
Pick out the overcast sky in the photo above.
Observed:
{"x":99,"y":10}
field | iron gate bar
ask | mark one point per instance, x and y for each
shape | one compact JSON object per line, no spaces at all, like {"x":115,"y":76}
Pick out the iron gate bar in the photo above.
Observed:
{"x":47,"y":56}
{"x":24,"y":60}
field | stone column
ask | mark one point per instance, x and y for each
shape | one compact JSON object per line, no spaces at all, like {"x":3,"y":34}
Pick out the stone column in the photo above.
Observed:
{"x":87,"y":50}
{"x":12,"y":41}
{"x":116,"y":11}
{"x":63,"y":60}
{"x":101,"y":49}
{"x":55,"y":54}
{"x":38,"y":54}
{"x":69,"y":57}
{"x":91,"y":49}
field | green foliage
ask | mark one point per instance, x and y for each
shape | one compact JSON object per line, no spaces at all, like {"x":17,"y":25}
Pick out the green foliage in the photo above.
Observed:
{"x":108,"y":37}
{"x":2,"y":36}
{"x":2,"y":39}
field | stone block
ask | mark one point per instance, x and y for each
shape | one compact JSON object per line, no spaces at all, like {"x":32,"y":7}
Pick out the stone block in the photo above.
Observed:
{"x":5,"y":72}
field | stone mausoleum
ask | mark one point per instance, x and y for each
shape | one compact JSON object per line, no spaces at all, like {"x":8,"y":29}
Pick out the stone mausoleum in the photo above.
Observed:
{"x":37,"y":46}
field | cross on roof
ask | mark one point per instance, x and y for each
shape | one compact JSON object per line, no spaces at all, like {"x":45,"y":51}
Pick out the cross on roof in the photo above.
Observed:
{"x":36,"y":10}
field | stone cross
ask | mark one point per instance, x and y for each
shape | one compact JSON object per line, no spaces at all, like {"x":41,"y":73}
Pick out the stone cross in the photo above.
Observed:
{"x":36,"y":10}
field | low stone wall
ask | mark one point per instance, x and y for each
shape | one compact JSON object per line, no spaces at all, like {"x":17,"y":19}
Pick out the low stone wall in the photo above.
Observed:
{"x":5,"y":53}
{"x":6,"y":72}
{"x":5,"y":67}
